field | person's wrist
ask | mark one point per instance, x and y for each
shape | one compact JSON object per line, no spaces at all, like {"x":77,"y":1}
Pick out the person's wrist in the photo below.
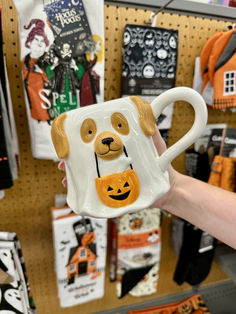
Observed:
{"x":171,"y":199}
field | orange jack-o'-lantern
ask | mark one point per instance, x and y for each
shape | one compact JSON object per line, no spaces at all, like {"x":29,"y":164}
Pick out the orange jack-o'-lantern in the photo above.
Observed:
{"x":118,"y":189}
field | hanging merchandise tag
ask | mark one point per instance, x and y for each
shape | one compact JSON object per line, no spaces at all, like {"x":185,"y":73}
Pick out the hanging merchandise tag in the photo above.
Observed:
{"x":206,"y":243}
{"x":70,"y":27}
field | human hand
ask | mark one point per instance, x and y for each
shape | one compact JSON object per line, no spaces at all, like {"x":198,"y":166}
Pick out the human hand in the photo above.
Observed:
{"x":167,"y":199}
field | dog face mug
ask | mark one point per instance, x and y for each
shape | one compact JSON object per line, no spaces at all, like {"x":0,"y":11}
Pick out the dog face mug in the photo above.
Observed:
{"x":112,"y":165}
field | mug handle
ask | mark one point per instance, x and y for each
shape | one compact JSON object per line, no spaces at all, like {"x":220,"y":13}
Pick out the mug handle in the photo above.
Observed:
{"x":199,"y":105}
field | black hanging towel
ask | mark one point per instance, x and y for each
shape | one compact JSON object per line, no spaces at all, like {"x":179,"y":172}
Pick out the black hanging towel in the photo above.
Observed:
{"x":5,"y":171}
{"x":149,"y":60}
{"x":196,"y":256}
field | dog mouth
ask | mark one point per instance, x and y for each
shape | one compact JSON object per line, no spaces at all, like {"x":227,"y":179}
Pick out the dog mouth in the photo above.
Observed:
{"x":109,"y":151}
{"x":120,"y":197}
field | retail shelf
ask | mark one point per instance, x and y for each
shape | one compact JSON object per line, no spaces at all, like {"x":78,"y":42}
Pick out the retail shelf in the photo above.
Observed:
{"x":219,"y":298}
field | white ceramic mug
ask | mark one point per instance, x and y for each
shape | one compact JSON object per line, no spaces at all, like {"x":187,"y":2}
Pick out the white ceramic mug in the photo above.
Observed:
{"x":112,"y":165}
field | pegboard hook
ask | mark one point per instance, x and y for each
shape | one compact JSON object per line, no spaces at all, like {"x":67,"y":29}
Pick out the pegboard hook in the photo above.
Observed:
{"x":154,"y":13}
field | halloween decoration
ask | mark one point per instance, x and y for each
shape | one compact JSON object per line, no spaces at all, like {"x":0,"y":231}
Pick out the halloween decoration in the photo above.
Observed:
{"x":111,"y":162}
{"x":118,"y":189}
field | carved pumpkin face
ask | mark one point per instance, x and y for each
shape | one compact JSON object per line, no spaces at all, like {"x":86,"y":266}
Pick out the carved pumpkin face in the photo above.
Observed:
{"x":118,"y":189}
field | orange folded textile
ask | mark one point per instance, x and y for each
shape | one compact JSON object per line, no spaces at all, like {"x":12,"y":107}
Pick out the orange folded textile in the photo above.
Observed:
{"x":223,"y":173}
{"x":192,"y":305}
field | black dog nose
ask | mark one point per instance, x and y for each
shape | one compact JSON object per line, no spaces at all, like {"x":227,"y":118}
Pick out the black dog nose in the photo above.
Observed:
{"x":107,"y":141}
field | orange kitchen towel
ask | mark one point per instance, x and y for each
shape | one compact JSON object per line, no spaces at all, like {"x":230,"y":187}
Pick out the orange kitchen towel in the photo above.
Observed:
{"x":223,"y":173}
{"x":194,"y":305}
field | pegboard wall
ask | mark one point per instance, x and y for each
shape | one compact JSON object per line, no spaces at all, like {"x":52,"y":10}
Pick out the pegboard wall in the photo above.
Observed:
{"x":25,"y":208}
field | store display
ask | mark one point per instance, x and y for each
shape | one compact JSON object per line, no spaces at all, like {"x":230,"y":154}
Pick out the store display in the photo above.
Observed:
{"x":15,"y":295}
{"x":62,"y":62}
{"x":138,"y":252}
{"x":114,"y":151}
{"x":80,"y":256}
{"x":40,"y":180}
{"x":195,"y":305}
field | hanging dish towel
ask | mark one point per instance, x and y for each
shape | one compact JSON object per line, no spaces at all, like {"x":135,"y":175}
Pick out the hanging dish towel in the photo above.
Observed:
{"x":80,"y":256}
{"x":138,"y":252}
{"x":149,"y":60}
{"x":62,"y":54}
{"x":10,"y":128}
{"x":6,"y":180}
{"x":15,"y":295}
{"x":196,"y":254}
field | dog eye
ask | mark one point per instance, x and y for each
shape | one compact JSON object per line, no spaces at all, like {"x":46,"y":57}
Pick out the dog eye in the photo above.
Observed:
{"x":88,"y":130}
{"x":119,"y":123}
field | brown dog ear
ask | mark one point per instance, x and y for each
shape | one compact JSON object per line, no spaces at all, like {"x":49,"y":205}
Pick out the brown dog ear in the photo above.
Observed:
{"x":147,"y":119}
{"x":59,"y":138}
